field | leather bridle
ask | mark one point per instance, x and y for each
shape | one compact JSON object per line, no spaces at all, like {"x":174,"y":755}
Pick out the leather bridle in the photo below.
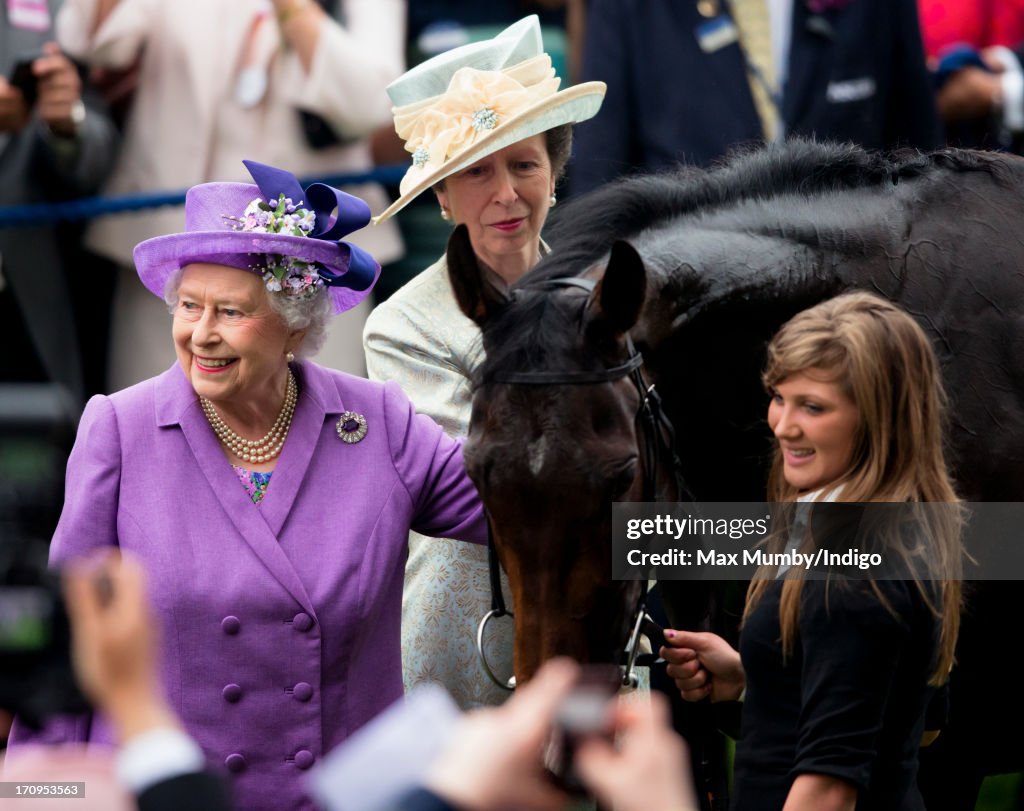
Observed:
{"x":657,"y":436}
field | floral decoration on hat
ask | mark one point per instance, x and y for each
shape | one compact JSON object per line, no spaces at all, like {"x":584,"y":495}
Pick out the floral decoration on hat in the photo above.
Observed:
{"x":288,"y":274}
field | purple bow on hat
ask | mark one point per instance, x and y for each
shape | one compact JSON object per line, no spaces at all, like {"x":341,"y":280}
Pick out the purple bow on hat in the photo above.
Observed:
{"x":322,"y":199}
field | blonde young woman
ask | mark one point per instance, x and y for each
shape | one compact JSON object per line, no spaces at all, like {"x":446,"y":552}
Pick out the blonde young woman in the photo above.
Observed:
{"x":836,"y":675}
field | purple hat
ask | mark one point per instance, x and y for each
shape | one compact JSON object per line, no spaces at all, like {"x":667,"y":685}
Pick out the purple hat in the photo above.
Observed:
{"x":275,"y":228}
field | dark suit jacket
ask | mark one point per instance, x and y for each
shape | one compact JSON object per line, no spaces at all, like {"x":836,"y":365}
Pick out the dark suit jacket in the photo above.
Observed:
{"x":207,"y":792}
{"x":199,"y":790}
{"x":855,"y":73}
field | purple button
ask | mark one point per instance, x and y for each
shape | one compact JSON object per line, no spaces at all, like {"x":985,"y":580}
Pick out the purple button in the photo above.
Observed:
{"x":304,"y":759}
{"x":302,"y":622}
{"x":230,"y":625}
{"x":302,"y":691}
{"x":232,"y":693}
{"x":235,"y":763}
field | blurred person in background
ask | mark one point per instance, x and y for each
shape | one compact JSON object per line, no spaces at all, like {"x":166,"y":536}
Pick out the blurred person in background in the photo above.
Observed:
{"x":490,"y":134}
{"x":56,"y":143}
{"x":115,"y":646}
{"x":975,"y":48}
{"x":290,"y":82}
{"x":690,"y":79}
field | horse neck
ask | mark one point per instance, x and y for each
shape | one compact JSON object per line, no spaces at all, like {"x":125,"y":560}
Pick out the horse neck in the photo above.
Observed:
{"x":794,"y":247}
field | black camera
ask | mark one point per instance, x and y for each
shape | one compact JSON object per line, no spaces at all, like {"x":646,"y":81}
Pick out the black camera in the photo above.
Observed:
{"x":36,"y":430}
{"x":24,"y":79}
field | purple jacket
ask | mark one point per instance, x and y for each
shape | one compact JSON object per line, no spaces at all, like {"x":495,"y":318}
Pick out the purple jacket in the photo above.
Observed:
{"x":280,"y":622}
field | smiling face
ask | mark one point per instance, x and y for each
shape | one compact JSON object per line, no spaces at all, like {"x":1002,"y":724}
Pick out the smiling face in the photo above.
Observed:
{"x":815,"y":424}
{"x":229,"y":341}
{"x":503,"y":199}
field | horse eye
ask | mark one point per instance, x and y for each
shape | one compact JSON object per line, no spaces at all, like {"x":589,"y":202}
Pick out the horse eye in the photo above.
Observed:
{"x":624,"y":478}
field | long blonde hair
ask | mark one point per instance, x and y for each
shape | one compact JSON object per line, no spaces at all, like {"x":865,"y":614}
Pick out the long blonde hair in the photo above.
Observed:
{"x":881,"y":359}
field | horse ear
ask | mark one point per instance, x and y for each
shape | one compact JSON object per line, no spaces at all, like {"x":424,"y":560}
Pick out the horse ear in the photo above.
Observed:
{"x":619,"y":296}
{"x":476,"y":296}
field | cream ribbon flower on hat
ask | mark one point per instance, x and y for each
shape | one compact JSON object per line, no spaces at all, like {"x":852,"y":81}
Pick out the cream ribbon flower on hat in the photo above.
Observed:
{"x":438,"y":129}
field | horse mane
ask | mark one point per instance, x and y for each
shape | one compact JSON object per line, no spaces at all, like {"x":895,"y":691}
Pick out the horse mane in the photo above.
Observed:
{"x":586,"y":227}
{"x":534,"y":332}
{"x":537,"y":329}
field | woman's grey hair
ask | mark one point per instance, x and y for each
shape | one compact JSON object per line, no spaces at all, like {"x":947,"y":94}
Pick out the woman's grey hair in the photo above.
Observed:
{"x":311,"y":314}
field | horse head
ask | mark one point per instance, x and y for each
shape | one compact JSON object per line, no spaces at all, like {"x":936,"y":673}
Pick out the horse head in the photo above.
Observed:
{"x":553,"y":441}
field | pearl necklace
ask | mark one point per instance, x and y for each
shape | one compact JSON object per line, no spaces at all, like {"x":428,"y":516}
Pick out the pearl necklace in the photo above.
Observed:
{"x":256,"y":450}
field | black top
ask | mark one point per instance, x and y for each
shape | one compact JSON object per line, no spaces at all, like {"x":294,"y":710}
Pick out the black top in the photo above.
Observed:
{"x":208,"y":792}
{"x":849,"y":702}
{"x":199,"y":790}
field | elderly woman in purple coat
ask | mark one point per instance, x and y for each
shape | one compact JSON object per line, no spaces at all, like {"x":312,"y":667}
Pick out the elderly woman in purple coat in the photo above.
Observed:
{"x":269,"y":499}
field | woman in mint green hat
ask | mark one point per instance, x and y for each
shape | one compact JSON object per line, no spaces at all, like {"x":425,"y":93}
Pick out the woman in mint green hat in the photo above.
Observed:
{"x":490,"y":133}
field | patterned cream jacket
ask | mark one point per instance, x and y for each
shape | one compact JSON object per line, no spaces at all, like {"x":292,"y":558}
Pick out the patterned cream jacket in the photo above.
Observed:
{"x":421,"y":339}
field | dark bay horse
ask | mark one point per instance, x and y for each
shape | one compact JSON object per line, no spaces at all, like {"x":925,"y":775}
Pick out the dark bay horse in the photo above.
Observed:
{"x":700,"y":268}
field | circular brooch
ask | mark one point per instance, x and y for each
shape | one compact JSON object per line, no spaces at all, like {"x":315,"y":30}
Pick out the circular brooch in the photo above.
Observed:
{"x":351,"y":427}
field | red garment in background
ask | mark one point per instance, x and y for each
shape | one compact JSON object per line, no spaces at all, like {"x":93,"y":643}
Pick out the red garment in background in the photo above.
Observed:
{"x":980,"y":23}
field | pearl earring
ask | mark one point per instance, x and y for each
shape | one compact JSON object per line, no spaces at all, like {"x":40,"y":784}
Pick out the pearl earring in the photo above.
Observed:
{"x":445,"y":215}
{"x":553,"y":200}
{"x":289,"y":356}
